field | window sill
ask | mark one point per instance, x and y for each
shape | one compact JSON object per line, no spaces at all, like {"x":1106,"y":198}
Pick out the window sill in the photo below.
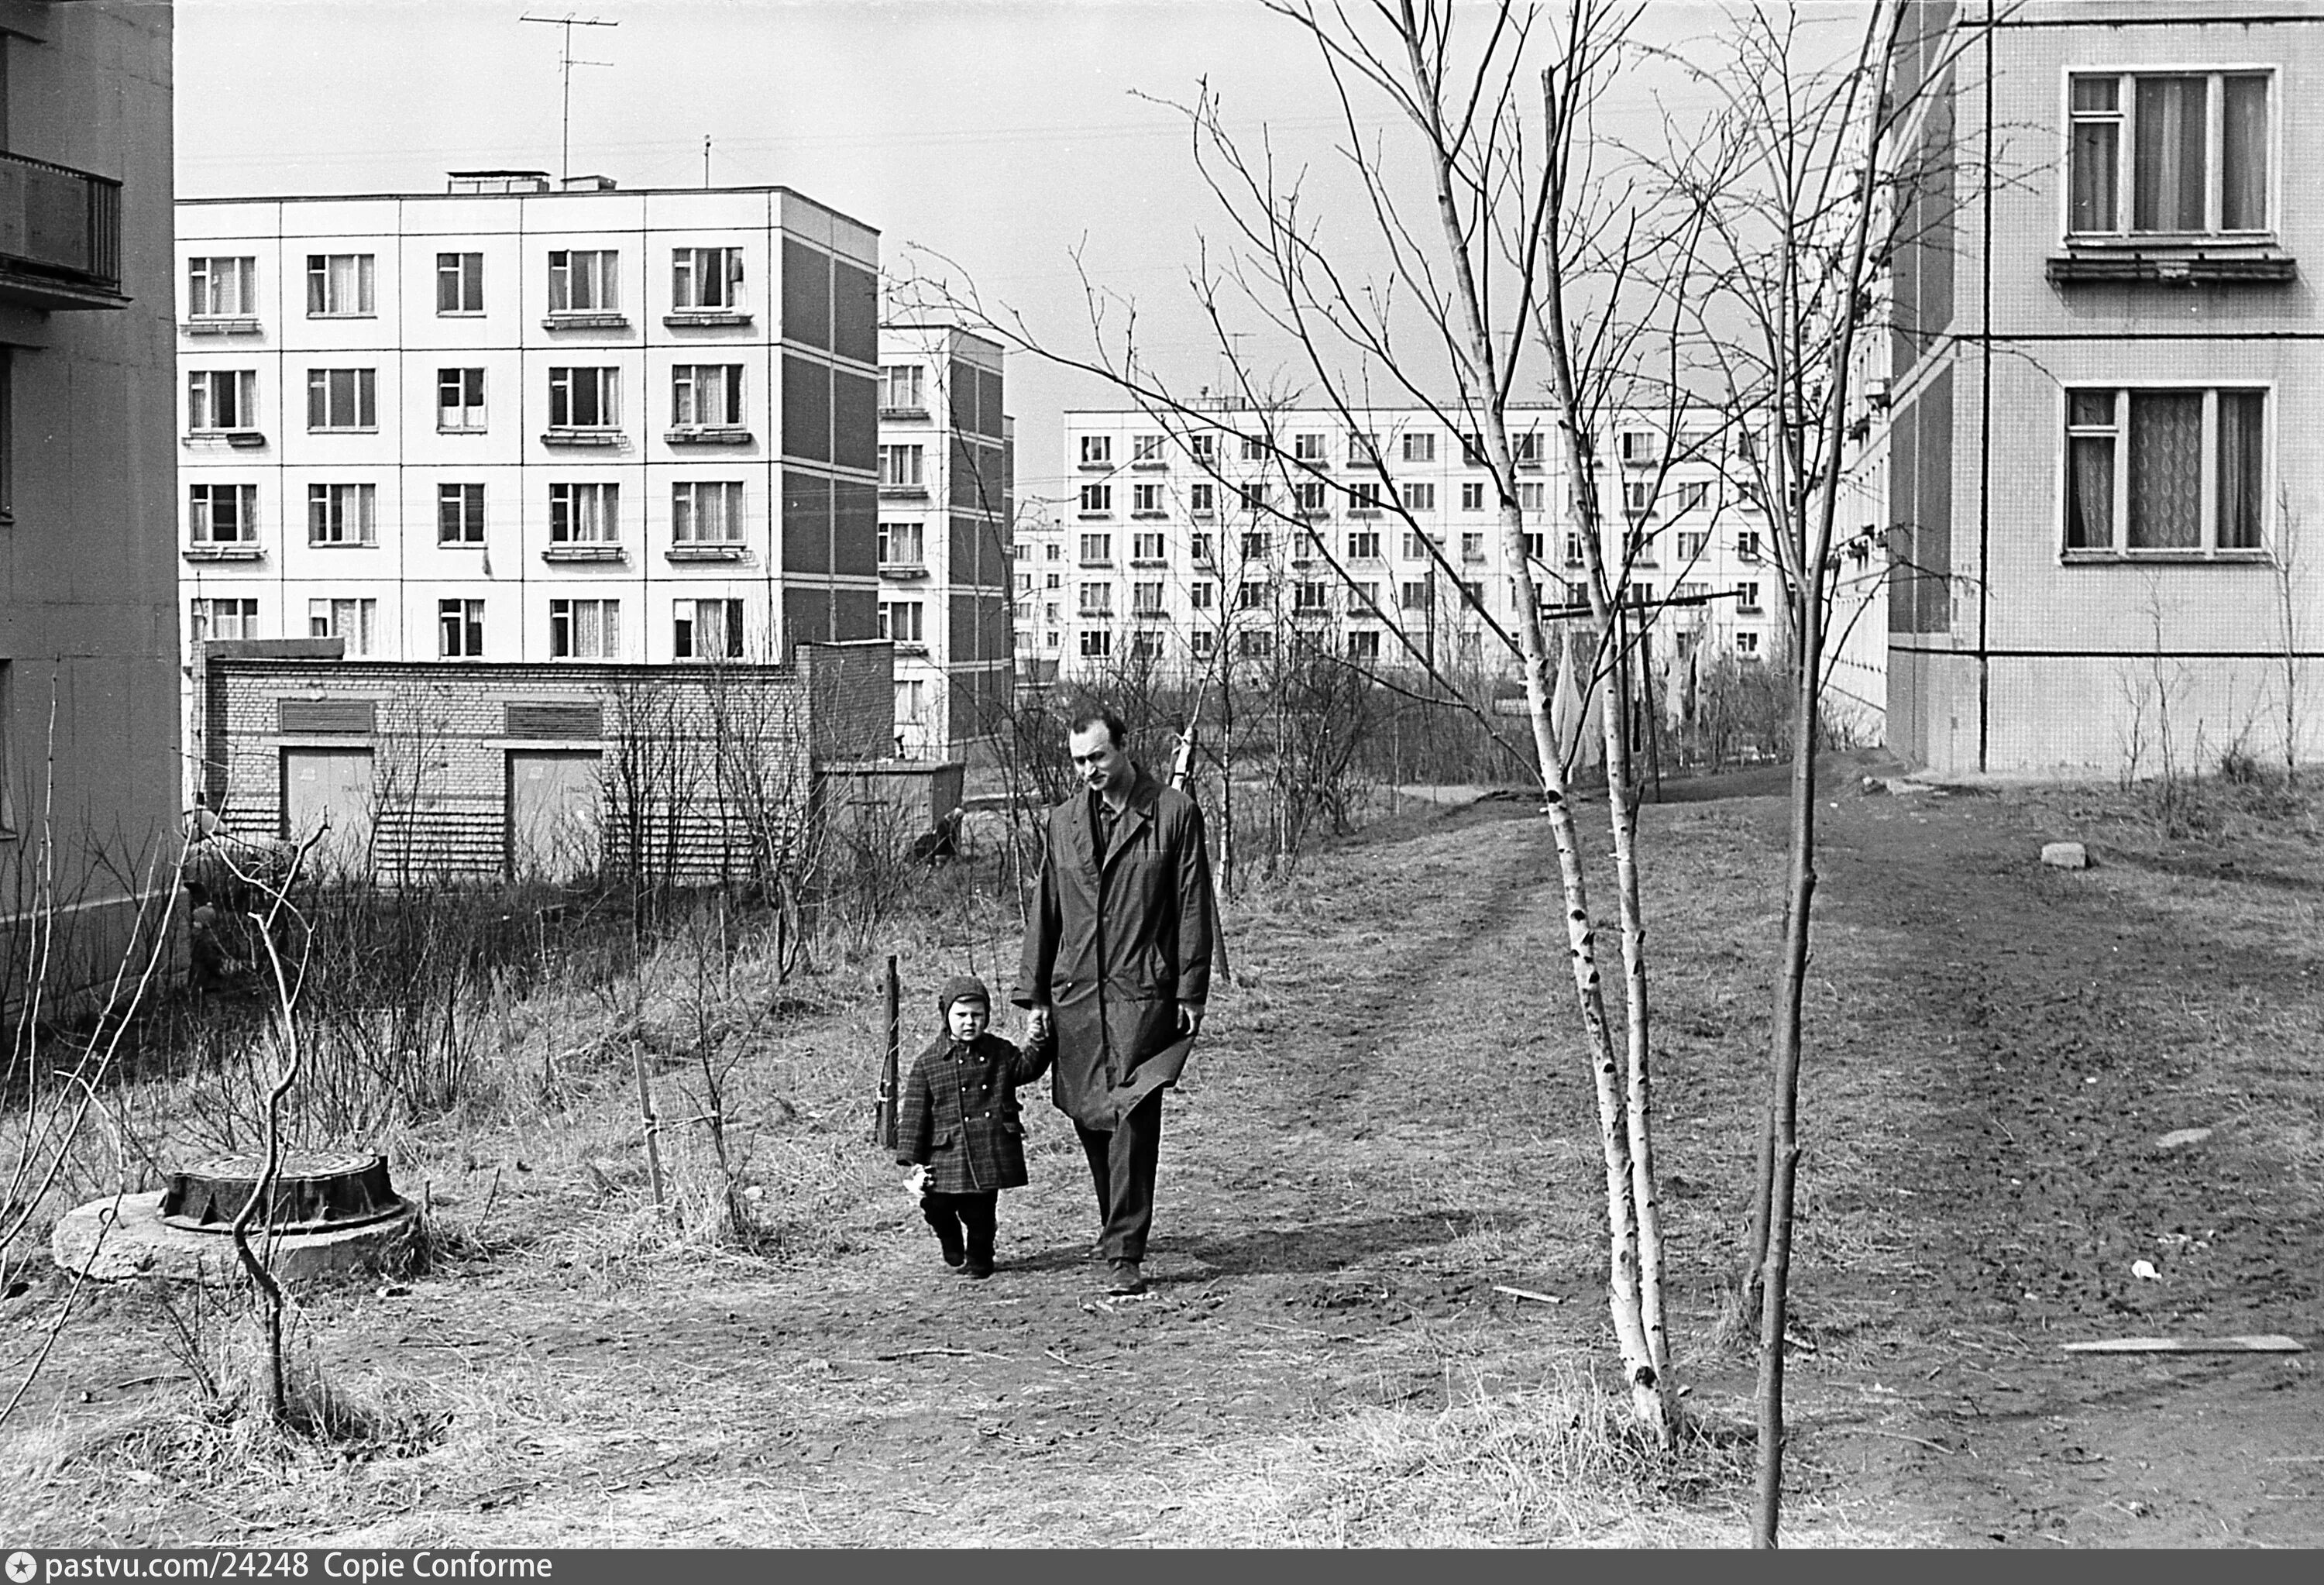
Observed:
{"x":903,"y":491}
{"x":225,"y":325}
{"x":909,"y":647}
{"x":903,"y":412}
{"x":461,"y":430}
{"x":1148,"y":466}
{"x":1153,"y":516}
{"x":1097,"y":467}
{"x":2220,"y":262}
{"x":2166,"y":559}
{"x":583,"y":438}
{"x":1149,"y":561}
{"x":342,"y":544}
{"x":313,"y":314}
{"x":700,"y":551}
{"x":459,"y":544}
{"x":709,"y":435}
{"x":903,"y":570}
{"x":223,"y":553}
{"x":240,"y":439}
{"x":586,"y":321}
{"x":459,"y":313}
{"x":690,"y":318}
{"x":585,"y":553}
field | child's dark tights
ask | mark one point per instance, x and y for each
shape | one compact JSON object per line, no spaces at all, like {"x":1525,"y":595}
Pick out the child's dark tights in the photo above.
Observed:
{"x":951,"y":1215}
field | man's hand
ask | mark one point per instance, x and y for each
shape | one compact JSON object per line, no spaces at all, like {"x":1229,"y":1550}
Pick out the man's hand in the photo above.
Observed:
{"x":1037,"y":1024}
{"x":1190,"y":1018}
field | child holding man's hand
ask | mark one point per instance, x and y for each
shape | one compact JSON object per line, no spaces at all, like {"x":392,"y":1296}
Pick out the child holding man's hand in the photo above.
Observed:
{"x":958,"y":1127}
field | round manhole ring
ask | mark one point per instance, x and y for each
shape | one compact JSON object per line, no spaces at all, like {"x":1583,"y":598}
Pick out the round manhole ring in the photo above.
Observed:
{"x":313,"y":1191}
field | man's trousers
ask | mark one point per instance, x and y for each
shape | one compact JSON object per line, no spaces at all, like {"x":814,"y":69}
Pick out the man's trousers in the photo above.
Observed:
{"x":1121,"y":1169}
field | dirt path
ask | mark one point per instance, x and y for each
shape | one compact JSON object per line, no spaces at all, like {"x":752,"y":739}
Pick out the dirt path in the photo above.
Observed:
{"x":1386,"y":1121}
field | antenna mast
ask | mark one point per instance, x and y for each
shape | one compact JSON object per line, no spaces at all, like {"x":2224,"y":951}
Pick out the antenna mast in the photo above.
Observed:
{"x":566,"y":64}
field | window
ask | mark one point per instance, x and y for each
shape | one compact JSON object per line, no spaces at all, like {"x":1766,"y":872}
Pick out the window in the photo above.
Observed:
{"x":1534,"y":543}
{"x":1310,"y":495}
{"x":706,"y":630}
{"x":1363,"y":451}
{"x":1145,"y":599}
{"x":1097,"y":549}
{"x":1640,"y":447}
{"x":899,"y":466}
{"x":900,"y":622}
{"x":459,"y":514}
{"x":1525,"y":450}
{"x":1097,"y":451}
{"x":900,"y":544}
{"x":1363,"y":645}
{"x":1638,"y":498}
{"x":1255,"y":645}
{"x":1024,"y":583}
{"x":1201,"y":643}
{"x":352,"y":621}
{"x":1053,"y":581}
{"x":1097,"y":643}
{"x":342,"y":514}
{"x":1199,"y":549}
{"x":1419,"y":448}
{"x":903,"y":388}
{"x":709,"y":511}
{"x":708,"y":395}
{"x":1146,"y":448}
{"x":1472,"y":449}
{"x":1691,"y":547}
{"x":1420,"y":497}
{"x":585,"y":399}
{"x":1254,"y":448}
{"x":706,"y":278}
{"x":459,"y":283}
{"x":2179,"y":154}
{"x":1641,"y":549}
{"x":1256,"y":546}
{"x":1202,"y":500}
{"x":1049,"y":641}
{"x":585,"y":629}
{"x":1686,"y":498}
{"x":911,"y":701}
{"x":1097,"y":599}
{"x":1146,"y":500}
{"x":1416,"y":547}
{"x":1747,"y":599}
{"x":1146,"y":547}
{"x":1202,"y":448}
{"x":1472,"y":547}
{"x":1200,"y":594}
{"x":1364,"y":495}
{"x":1472,"y":496}
{"x":1310,"y":597}
{"x":1747,"y":545}
{"x":1577,"y":554}
{"x":1097,"y":498}
{"x":221,"y":399}
{"x":1250,"y":597}
{"x":585,"y":282}
{"x":2182,"y":471}
{"x":339,"y":285}
{"x":1364,"y":547}
{"x":1053,"y":551}
{"x":584,"y":514}
{"x":459,"y":399}
{"x":1474,"y":591}
{"x":224,"y":619}
{"x":1413,"y":594}
{"x":1307,"y":447}
{"x":222,"y":514}
{"x":1146,"y":646}
{"x":460,"y":629}
{"x":1368,"y":598}
{"x":221,"y":287}
{"x":1533,"y":496}
{"x":1254,"y":497}
{"x":342,"y":399}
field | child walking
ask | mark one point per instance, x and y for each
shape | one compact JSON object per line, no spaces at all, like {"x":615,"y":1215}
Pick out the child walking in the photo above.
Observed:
{"x":957,"y":1125}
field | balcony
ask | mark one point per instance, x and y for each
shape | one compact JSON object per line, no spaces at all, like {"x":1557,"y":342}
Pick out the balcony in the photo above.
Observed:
{"x":569,"y":436}
{"x":707,"y":551}
{"x":597,"y":551}
{"x":709,"y":434}
{"x":59,"y":236}
{"x":224,"y":550}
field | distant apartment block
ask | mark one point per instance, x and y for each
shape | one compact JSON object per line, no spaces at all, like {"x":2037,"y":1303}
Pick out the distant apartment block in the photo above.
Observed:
{"x":2103,"y":386}
{"x":517,"y":421}
{"x":1378,"y":540}
{"x":946,"y":504}
{"x":89,"y":777}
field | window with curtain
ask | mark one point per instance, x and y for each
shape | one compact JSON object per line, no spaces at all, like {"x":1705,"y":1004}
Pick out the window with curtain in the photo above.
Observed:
{"x":2172,"y":154}
{"x":2169,"y":471}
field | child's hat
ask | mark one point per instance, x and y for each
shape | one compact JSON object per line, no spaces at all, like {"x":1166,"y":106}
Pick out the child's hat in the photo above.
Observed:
{"x":962,"y":987}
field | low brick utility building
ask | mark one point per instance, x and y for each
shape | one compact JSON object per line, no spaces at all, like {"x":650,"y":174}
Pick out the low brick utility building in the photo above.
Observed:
{"x":419,"y":771}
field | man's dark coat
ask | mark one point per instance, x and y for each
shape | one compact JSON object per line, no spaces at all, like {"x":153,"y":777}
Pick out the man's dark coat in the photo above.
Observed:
{"x":958,"y":1114}
{"x":1116,"y":941}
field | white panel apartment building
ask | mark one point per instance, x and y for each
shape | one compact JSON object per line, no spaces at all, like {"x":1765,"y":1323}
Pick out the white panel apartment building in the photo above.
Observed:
{"x":513,"y":423}
{"x":1179,"y":542}
{"x":946,"y":499}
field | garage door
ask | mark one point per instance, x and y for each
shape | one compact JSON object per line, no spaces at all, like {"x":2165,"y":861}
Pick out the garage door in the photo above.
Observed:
{"x":554,"y":812}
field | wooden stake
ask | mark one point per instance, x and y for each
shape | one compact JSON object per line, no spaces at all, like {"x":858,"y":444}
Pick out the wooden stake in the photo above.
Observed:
{"x":883,"y":1111}
{"x":653,"y":1125}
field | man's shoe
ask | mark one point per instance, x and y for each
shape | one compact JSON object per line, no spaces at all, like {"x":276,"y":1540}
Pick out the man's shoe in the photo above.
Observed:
{"x":1127,"y":1278}
{"x":977,"y":1270}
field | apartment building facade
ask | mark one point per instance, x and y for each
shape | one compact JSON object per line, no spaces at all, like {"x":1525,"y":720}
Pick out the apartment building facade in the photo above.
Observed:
{"x":519,"y":421}
{"x":947,"y":501}
{"x":89,"y":777}
{"x":2104,"y":376}
{"x":1374,"y":535}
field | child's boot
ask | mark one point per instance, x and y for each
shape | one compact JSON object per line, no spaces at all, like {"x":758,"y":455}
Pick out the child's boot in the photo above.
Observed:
{"x":945,"y":1219}
{"x":981,"y":1214}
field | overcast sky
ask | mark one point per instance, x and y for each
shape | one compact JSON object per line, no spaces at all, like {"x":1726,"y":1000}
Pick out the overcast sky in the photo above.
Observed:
{"x":1005,"y":134}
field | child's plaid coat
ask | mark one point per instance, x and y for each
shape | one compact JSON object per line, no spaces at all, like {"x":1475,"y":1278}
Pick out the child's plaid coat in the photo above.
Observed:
{"x":958,"y":1114}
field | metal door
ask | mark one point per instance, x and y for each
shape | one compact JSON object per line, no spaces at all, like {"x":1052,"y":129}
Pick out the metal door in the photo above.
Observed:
{"x":554,"y":812}
{"x":329,"y":791}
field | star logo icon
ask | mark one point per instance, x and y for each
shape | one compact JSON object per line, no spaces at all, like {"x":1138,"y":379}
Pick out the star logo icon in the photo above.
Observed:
{"x":21,"y":1568}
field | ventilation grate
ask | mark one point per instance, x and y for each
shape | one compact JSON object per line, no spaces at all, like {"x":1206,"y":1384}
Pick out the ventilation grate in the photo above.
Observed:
{"x":556,"y":720}
{"x":305,"y":717}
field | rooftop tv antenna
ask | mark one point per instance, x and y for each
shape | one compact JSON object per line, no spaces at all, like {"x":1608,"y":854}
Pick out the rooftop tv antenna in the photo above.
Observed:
{"x":566,"y":64}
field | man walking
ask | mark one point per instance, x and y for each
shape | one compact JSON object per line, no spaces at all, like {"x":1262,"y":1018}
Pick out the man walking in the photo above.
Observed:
{"x":1116,"y":967}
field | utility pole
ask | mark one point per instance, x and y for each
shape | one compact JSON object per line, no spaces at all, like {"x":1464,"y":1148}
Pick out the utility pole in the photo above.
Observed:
{"x":566,"y":64}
